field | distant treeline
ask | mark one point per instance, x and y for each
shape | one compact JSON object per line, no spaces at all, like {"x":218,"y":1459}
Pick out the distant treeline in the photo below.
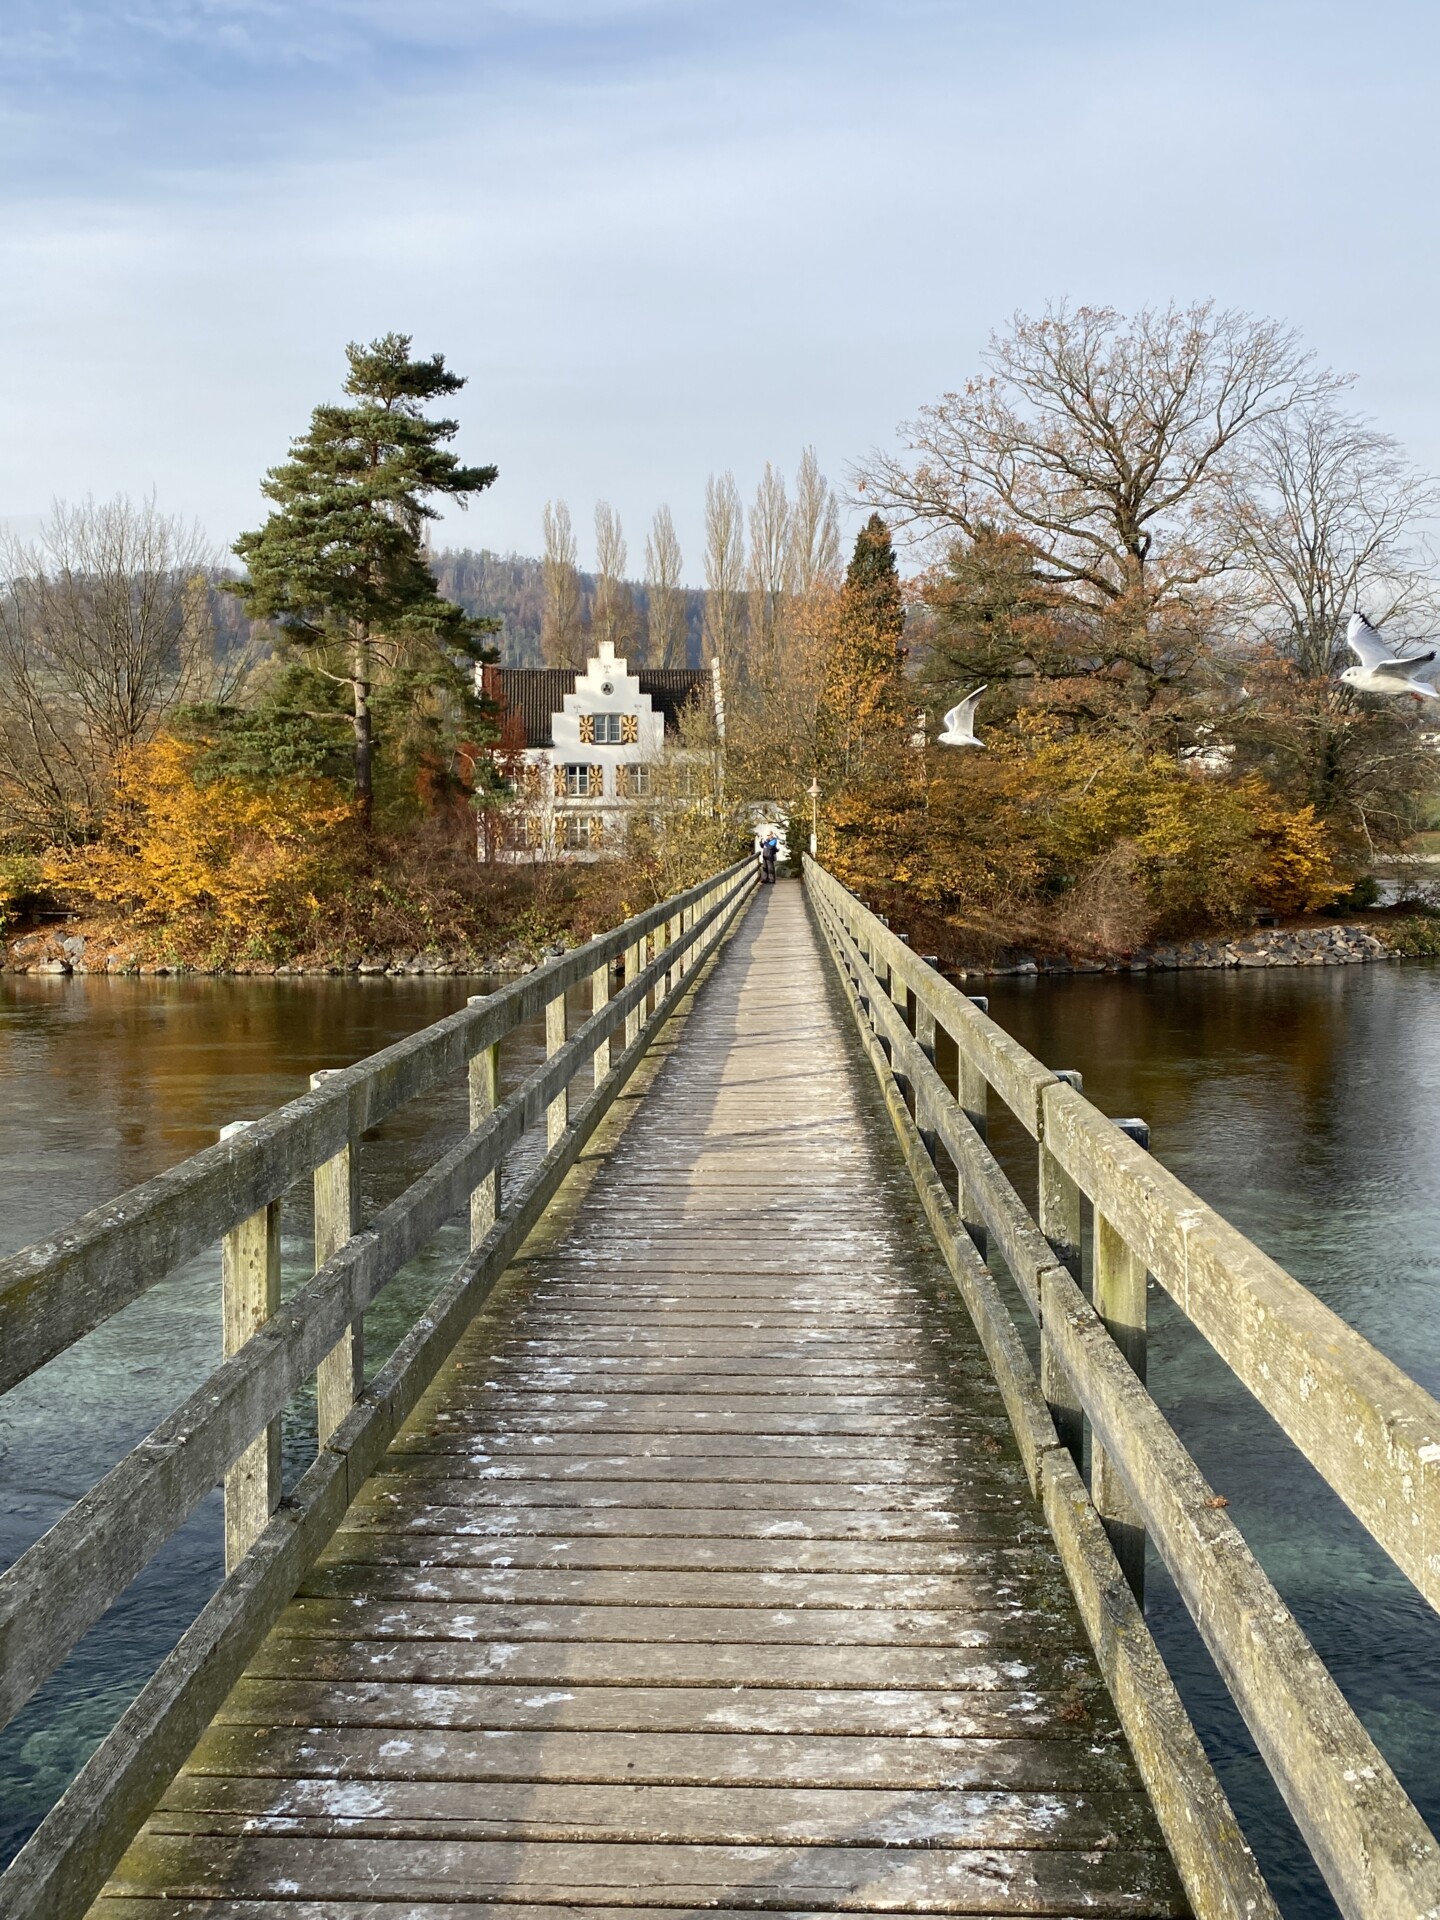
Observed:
{"x":512,"y":587}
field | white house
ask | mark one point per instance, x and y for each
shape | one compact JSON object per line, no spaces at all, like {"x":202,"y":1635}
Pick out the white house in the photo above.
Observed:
{"x":582,"y":749}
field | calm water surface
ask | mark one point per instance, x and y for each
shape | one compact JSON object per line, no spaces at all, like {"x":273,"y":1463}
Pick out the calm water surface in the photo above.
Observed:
{"x":1304,"y":1104}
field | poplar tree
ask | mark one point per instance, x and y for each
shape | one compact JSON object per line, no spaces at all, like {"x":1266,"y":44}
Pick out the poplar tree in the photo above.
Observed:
{"x":340,"y":566}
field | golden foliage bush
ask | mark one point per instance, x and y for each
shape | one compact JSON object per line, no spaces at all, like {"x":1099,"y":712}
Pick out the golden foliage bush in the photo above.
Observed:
{"x":245,"y":868}
{"x":1080,"y":838}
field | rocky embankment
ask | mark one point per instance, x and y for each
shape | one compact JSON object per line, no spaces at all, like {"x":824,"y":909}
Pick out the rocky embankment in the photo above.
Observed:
{"x":61,"y":953}
{"x":1336,"y":946}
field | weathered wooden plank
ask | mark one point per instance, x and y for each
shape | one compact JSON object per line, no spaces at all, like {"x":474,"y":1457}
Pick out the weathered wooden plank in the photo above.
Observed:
{"x":761,"y":1553}
{"x":444,"y":1485}
{"x":813,"y":1759}
{"x":338,"y":1577}
{"x":559,"y":1663}
{"x":844,"y":1879}
{"x":687,"y":1816}
{"x":1003,"y":1524}
{"x":140,"y":1905}
{"x":659,"y":1626}
{"x":978,"y":1714}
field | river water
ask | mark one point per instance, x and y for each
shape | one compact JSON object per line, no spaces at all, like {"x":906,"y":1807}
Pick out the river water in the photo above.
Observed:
{"x":1304,"y":1104}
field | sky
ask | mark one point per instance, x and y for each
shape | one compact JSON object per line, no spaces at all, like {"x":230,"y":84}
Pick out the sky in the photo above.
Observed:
{"x":662,"y":238}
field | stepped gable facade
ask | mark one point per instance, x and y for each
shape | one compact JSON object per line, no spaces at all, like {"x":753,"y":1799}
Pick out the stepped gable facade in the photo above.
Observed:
{"x":583,"y":749}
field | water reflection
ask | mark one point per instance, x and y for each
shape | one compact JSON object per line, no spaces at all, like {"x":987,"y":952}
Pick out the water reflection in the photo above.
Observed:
{"x":1305,"y":1105}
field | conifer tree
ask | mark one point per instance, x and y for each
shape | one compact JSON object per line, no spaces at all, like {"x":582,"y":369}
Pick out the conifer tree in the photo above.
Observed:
{"x":865,"y":718}
{"x":340,"y":565}
{"x":872,"y":583}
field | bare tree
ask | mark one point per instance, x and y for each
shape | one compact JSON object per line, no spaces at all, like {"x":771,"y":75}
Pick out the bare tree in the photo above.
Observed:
{"x":1326,"y":514}
{"x":1104,"y":444}
{"x":664,"y":592}
{"x":814,"y":530}
{"x":105,"y":629}
{"x":612,"y":617}
{"x":724,"y":572}
{"x":560,"y":635}
{"x":769,"y":572}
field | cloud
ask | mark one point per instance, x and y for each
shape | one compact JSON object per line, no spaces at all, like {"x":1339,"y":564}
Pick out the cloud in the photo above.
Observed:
{"x":663,"y":239}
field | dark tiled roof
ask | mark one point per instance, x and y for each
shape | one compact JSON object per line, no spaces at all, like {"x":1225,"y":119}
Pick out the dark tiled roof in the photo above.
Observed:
{"x":532,"y":694}
{"x":670,"y":687}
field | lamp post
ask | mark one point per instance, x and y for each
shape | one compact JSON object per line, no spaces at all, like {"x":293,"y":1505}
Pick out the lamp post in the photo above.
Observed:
{"x":814,"y":791}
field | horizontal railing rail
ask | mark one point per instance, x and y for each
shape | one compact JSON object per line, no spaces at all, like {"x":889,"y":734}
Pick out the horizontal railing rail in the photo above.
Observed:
{"x":227,"y":1431}
{"x":62,"y":1288}
{"x":1368,"y":1428}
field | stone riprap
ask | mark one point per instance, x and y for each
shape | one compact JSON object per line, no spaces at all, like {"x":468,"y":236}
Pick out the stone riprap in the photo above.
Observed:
{"x":1336,"y":946}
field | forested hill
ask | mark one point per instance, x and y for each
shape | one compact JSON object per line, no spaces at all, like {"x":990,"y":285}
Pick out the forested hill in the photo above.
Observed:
{"x":511,"y":587}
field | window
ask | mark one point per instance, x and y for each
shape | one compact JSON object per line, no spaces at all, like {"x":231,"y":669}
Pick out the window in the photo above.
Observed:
{"x":580,"y":782}
{"x":582,"y":833}
{"x":607,"y":729}
{"x":641,"y":781}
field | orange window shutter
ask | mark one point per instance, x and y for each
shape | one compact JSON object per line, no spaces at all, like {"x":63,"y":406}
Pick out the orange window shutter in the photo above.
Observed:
{"x":587,"y":729}
{"x":622,"y":782}
{"x":559,"y":783}
{"x":630,"y":730}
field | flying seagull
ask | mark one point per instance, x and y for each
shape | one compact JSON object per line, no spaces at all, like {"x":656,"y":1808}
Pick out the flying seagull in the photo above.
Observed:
{"x":959,"y":728}
{"x":1380,"y":670}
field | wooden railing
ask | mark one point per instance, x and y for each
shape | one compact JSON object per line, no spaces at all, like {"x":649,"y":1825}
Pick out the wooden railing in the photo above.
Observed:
{"x":228,"y":1431}
{"x":1363,"y":1424}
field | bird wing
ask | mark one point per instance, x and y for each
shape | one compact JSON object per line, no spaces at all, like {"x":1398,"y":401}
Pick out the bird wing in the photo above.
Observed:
{"x":1403,"y":669}
{"x":1365,"y":643}
{"x":963,"y":716}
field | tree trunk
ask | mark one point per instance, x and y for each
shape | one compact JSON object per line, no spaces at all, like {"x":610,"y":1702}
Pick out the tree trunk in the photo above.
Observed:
{"x":364,"y":739}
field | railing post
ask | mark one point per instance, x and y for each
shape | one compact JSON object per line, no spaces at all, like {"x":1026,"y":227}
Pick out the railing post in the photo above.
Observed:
{"x":1059,"y":1211}
{"x":672,"y":934}
{"x":599,"y":997}
{"x":484,"y":1079}
{"x":557,"y":1113}
{"x":249,"y":1294}
{"x":973,"y":1093}
{"x":636,"y":1014}
{"x":1118,"y":1289}
{"x":340,"y":1377}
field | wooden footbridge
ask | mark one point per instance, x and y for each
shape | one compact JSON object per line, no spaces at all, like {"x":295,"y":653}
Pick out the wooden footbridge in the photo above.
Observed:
{"x":710,"y":1543}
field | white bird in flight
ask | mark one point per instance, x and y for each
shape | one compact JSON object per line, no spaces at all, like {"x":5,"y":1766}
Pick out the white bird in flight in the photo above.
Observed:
{"x":959,"y":727}
{"x":1380,"y":670}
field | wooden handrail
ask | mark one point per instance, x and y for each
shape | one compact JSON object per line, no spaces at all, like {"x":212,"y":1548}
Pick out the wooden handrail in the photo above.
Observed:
{"x":54,"y":1292}
{"x":1357,"y":1417}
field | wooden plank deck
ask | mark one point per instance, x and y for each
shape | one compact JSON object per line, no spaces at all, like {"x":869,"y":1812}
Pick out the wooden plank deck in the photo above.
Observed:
{"x":707,"y":1576}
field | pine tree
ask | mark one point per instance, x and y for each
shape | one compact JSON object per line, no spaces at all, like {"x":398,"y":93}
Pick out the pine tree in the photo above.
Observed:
{"x":340,"y":565}
{"x":872,"y":583}
{"x":865,"y":706}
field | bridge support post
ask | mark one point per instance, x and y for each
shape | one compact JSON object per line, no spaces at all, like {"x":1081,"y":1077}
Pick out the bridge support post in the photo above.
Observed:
{"x":557,"y":1114}
{"x":484,"y":1079}
{"x":340,"y":1377}
{"x":1118,"y":1289}
{"x":1059,"y":1212}
{"x":250,"y":1293}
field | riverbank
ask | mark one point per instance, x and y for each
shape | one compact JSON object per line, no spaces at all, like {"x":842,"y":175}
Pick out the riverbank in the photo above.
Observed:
{"x":66,"y":952}
{"x":1331,"y":946}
